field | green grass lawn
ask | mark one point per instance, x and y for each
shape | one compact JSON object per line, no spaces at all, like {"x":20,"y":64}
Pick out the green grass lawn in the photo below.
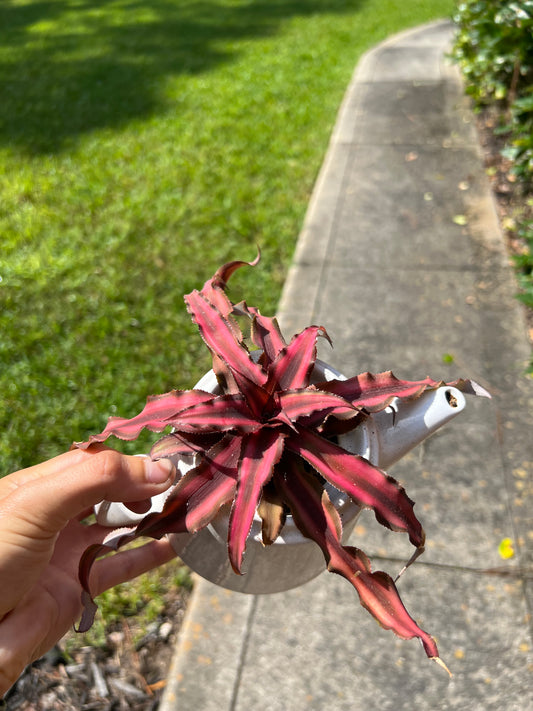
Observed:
{"x":142,"y":145}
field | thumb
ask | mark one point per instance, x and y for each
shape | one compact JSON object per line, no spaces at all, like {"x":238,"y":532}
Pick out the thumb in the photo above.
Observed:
{"x":59,"y":490}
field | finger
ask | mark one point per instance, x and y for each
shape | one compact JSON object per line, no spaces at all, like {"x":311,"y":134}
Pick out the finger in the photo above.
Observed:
{"x":127,"y":565}
{"x":55,"y":465}
{"x":47,"y":503}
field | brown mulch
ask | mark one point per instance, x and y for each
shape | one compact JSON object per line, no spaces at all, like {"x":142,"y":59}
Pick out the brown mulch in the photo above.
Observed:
{"x":511,"y":197}
{"x":122,"y":675}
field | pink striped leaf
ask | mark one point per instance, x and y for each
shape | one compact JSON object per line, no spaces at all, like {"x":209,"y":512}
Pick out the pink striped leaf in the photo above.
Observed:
{"x":294,"y":364}
{"x":155,"y":416}
{"x":267,"y":336}
{"x":318,"y":519}
{"x":214,"y":292}
{"x":221,"y":414}
{"x":374,"y":392}
{"x":199,"y":494}
{"x":261,"y":452}
{"x":217,"y":297}
{"x":380,"y":596}
{"x":219,"y":337}
{"x":364,"y":483}
{"x":310,"y":402}
{"x":231,"y":360}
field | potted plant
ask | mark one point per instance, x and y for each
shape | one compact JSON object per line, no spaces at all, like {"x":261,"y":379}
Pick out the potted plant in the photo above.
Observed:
{"x":266,"y":443}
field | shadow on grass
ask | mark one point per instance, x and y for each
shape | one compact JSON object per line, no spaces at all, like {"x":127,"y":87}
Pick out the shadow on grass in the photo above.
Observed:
{"x":70,"y":66}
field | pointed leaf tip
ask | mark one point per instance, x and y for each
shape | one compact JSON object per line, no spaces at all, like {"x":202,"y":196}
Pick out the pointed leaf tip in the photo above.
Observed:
{"x":479,"y":390}
{"x":223,"y":273}
{"x":439,"y":661}
{"x":90,"y":609}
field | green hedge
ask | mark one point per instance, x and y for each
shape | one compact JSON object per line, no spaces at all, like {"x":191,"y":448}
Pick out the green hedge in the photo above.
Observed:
{"x":494,"y":48}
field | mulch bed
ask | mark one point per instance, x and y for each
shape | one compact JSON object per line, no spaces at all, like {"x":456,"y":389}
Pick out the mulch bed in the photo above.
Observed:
{"x":121,"y":676}
{"x":510,"y":196}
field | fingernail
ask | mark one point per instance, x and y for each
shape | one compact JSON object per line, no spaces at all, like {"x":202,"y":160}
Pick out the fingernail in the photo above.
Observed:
{"x":160,"y":471}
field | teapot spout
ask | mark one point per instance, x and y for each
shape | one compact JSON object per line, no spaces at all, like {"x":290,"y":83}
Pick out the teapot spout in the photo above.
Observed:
{"x":389,"y":435}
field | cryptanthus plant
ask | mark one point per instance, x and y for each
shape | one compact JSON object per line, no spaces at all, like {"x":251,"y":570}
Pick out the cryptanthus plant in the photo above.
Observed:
{"x":267,"y":443}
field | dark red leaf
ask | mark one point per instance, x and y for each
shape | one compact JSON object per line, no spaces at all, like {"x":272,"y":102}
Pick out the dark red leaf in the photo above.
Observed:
{"x":313,"y":512}
{"x":220,"y":339}
{"x":374,"y":392}
{"x":294,"y":364}
{"x":113,"y":541}
{"x":214,"y":289}
{"x":316,"y":517}
{"x":154,"y":416}
{"x":198,"y":496}
{"x":364,"y":483}
{"x":183,"y":444}
{"x":223,"y":273}
{"x":333,"y":427}
{"x":221,"y":414}
{"x":261,"y":452}
{"x":265,"y":332}
{"x":258,"y":399}
{"x":193,"y":502}
{"x":309,"y":401}
{"x":267,"y":336}
{"x":224,"y":376}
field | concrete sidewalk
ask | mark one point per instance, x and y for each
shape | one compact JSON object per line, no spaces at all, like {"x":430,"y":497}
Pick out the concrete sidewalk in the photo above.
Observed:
{"x":398,"y":284}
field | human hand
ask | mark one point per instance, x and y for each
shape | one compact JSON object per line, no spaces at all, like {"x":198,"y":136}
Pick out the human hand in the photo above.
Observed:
{"x":42,"y":538}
